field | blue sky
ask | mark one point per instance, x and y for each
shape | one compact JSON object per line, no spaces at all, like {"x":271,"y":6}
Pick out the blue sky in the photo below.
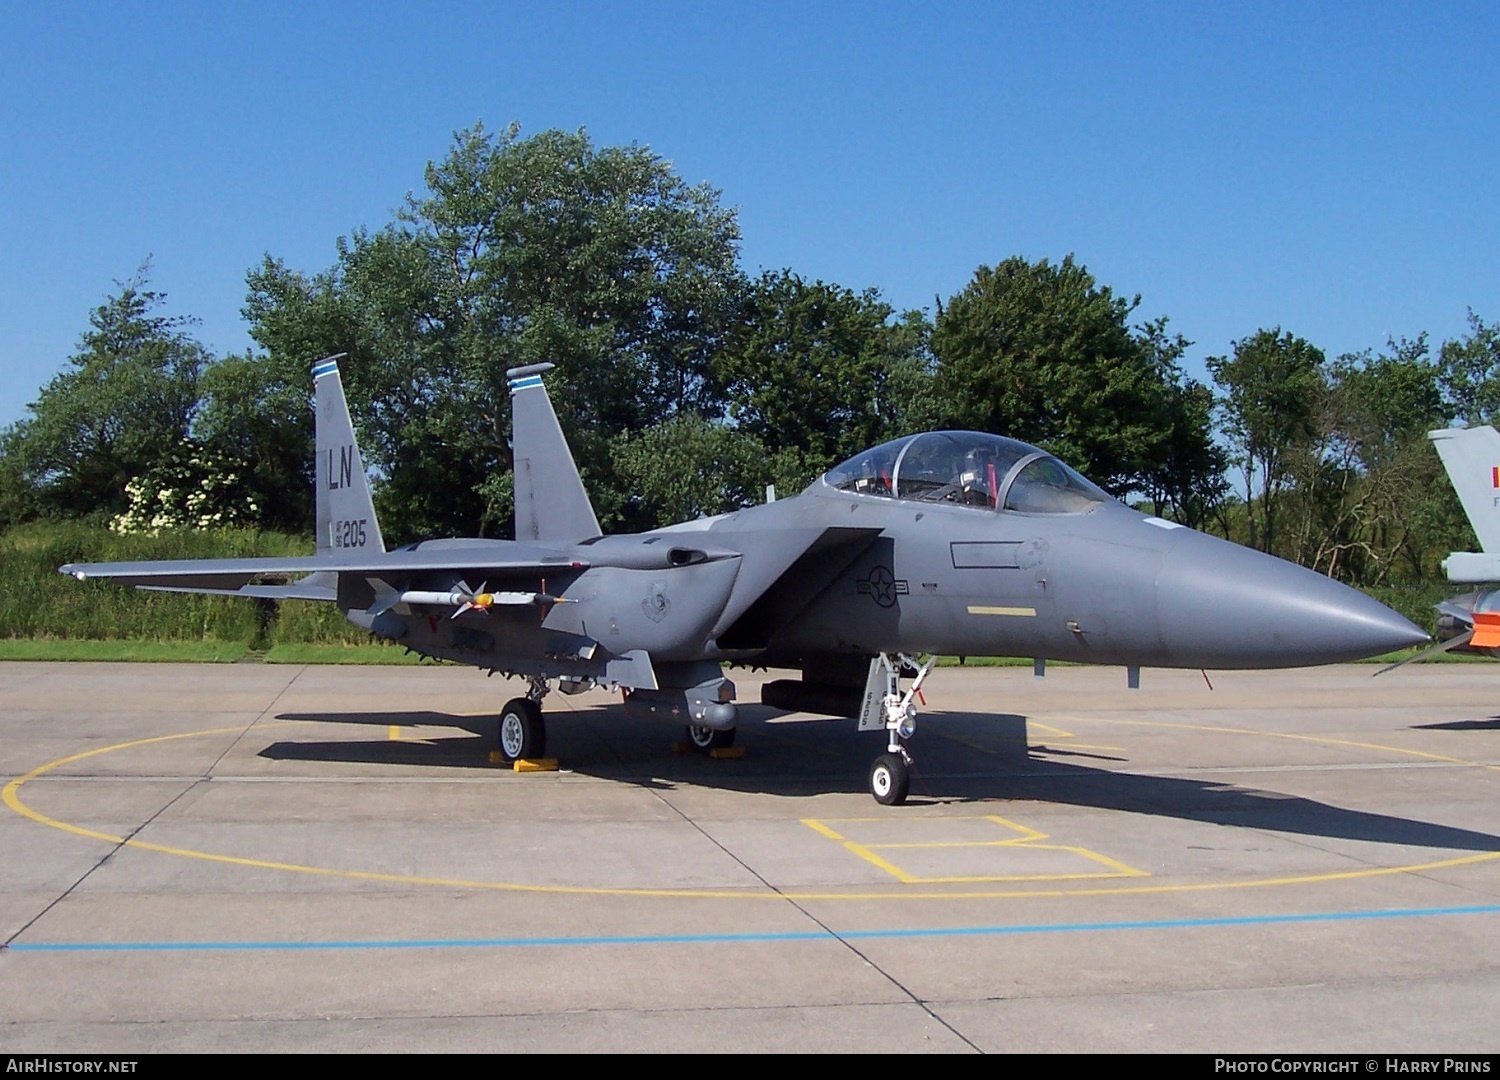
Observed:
{"x":1327,"y":168}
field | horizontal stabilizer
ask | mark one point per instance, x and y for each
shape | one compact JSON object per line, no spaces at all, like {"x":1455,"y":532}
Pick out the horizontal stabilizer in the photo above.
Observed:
{"x":323,"y":585}
{"x":296,"y":591}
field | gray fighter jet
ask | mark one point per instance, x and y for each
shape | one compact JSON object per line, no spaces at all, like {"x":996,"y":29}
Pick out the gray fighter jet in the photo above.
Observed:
{"x":949,"y":542}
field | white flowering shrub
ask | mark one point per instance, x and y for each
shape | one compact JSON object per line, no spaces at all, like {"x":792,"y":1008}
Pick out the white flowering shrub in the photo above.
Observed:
{"x":195,"y":488}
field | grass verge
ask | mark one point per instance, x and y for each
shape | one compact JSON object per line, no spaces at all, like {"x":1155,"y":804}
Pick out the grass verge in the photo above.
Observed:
{"x":200,"y":652}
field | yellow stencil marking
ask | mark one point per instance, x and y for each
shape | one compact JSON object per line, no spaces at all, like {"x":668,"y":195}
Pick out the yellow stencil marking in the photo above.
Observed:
{"x":982,"y":609}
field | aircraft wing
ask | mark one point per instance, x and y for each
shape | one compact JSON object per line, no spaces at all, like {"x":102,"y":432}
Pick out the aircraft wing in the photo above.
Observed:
{"x":238,"y":576}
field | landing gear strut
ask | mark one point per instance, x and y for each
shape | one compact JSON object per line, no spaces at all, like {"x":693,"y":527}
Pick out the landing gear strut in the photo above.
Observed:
{"x":890,"y":775}
{"x":523,"y":732}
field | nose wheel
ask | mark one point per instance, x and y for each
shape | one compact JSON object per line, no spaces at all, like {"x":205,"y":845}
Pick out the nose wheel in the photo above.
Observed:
{"x":890,"y":775}
{"x":890,"y":779}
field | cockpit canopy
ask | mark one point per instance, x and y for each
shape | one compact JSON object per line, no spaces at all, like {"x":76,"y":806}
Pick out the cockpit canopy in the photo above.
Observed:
{"x":969,"y":468}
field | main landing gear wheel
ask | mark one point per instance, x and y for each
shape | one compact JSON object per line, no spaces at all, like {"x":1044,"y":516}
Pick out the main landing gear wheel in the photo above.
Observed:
{"x":523,"y":732}
{"x":704,"y":738}
{"x":890,"y":779}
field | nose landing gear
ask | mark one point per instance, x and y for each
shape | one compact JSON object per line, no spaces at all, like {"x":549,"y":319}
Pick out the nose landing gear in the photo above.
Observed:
{"x":887,"y":706}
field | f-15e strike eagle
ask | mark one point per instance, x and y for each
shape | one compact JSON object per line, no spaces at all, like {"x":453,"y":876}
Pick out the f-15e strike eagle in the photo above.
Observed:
{"x":948,"y":542}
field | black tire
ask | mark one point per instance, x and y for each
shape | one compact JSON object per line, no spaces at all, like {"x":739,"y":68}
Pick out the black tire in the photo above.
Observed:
{"x":523,"y":732}
{"x":703,"y":738}
{"x":890,"y":780}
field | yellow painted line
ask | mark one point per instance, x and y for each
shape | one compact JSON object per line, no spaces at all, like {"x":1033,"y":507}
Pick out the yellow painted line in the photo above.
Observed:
{"x":971,"y":744}
{"x":983,"y":609}
{"x":395,"y":731}
{"x":983,"y":749}
{"x":1059,"y":732}
{"x":11,"y":798}
{"x":981,"y":879}
{"x":818,"y":826}
{"x":1120,"y":869}
{"x":1298,"y":738}
{"x":880,"y":864}
{"x":1028,"y":839}
{"x":1027,"y":833}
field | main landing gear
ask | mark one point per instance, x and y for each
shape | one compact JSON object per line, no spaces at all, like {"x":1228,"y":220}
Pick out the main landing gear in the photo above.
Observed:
{"x":523,"y":732}
{"x":704,"y":739}
{"x":890,"y":775}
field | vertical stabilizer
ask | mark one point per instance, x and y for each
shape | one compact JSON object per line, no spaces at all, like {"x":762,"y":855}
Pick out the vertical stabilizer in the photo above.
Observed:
{"x":346,"y":516}
{"x":1472,"y":458}
{"x":551,"y":503}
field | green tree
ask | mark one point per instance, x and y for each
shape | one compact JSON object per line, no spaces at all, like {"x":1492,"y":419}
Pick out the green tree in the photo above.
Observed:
{"x":600,"y":260}
{"x":125,"y":401}
{"x":411,"y":410}
{"x":1187,"y":482}
{"x":256,"y":421}
{"x":690,"y":467}
{"x":18,"y":495}
{"x":821,"y":370}
{"x":1272,"y":388}
{"x":1042,"y":352}
{"x":1368,"y":487}
{"x":1470,"y":372}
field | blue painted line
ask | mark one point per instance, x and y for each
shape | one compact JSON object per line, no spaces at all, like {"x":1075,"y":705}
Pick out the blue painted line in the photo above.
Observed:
{"x":525,"y":383}
{"x":737,"y":939}
{"x":324,"y":369}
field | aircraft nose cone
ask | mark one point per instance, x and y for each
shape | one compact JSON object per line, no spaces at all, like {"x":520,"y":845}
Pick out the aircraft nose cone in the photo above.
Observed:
{"x":1221,"y":605}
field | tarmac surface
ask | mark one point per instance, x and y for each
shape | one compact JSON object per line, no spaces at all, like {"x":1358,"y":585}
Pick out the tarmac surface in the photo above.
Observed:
{"x":265,"y":858}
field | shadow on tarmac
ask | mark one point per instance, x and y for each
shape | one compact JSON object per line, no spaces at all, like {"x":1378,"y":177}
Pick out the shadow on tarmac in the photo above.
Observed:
{"x":959,"y":758}
{"x":1490,"y":723}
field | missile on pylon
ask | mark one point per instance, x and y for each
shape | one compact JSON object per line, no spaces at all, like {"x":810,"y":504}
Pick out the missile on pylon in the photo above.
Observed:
{"x":463,"y":598}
